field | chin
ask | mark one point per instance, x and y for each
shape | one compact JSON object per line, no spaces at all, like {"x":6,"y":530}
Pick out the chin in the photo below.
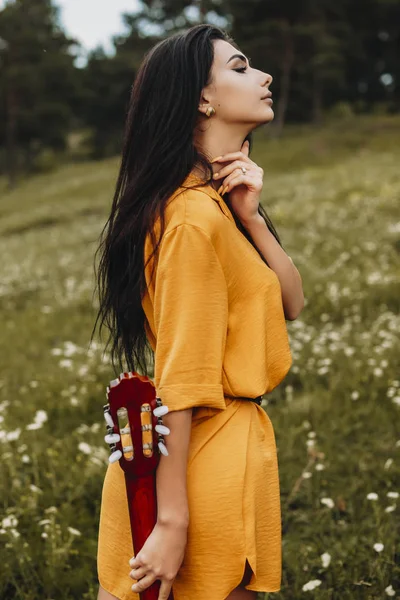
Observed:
{"x":270,"y":117}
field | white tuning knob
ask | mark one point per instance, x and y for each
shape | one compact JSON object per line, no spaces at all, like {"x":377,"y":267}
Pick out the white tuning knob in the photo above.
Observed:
{"x":163,"y":448}
{"x":162,"y":429}
{"x":112,"y":438}
{"x":109,"y":419}
{"x":160,"y":411}
{"x":115,"y":456}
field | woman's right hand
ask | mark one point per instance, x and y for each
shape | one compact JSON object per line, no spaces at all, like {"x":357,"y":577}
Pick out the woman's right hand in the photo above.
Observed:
{"x":160,"y":558}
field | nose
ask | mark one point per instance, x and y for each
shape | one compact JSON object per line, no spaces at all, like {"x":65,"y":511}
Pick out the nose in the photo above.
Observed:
{"x":269,"y":79}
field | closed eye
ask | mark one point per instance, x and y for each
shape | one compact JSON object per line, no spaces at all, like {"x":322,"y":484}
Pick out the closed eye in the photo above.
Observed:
{"x":242,"y":70}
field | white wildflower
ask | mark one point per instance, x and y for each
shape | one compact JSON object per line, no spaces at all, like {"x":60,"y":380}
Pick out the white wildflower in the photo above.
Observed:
{"x":44,"y":522}
{"x":306,"y":475}
{"x":12,"y":435}
{"x":319,"y":467}
{"x":15,"y":533}
{"x":51,"y":509}
{"x":41,"y":415}
{"x":378,"y":547}
{"x":372,"y":496}
{"x":38,"y":420}
{"x":85,"y":448}
{"x":73,"y":531}
{"x":328,"y":502}
{"x":388,"y":463}
{"x":311,"y":585}
{"x":33,"y":426}
{"x":392,"y":495}
{"x":389,"y":590}
{"x":66,"y":363}
{"x":70,"y":348}
{"x":349,"y":351}
{"x":326,"y":559}
{"x":10,"y":521}
{"x":390,"y":508}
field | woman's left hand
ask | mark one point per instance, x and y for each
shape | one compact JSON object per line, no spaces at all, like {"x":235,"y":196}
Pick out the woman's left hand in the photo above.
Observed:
{"x":244,"y":188}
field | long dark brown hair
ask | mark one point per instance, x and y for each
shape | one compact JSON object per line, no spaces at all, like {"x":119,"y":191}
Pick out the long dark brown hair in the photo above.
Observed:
{"x":158,"y":154}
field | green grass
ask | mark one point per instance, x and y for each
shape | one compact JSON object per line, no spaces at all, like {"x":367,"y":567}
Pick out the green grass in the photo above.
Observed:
{"x":333,"y":195}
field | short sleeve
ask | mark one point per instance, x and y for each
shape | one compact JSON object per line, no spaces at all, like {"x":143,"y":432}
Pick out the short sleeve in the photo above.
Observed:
{"x":190,"y":317}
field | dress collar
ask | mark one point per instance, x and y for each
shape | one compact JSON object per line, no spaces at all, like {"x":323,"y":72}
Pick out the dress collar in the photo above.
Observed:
{"x":195,"y":181}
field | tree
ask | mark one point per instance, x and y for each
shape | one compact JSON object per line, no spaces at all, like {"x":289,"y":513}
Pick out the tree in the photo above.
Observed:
{"x":37,"y":83}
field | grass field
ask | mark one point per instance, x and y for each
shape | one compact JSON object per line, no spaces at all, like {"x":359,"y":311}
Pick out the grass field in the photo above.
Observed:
{"x":334,"y":197}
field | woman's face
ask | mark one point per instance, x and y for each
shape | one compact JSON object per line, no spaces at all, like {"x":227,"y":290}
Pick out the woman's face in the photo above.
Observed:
{"x":237,"y":89}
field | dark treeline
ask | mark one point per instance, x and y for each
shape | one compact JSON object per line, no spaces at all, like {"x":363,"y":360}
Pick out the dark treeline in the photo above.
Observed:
{"x":323,"y":55}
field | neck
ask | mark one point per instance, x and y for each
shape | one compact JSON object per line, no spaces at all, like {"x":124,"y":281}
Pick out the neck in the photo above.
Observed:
{"x":218,"y":140}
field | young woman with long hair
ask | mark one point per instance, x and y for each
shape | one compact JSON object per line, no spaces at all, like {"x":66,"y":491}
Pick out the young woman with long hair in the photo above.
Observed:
{"x":194,"y":277}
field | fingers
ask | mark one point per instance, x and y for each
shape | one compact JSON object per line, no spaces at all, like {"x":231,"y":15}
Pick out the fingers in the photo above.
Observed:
{"x":237,"y":164}
{"x":165,"y":590}
{"x":148,"y":580}
{"x":232,"y":156}
{"x":137,"y":573}
{"x":144,"y":583}
{"x":236,"y":179}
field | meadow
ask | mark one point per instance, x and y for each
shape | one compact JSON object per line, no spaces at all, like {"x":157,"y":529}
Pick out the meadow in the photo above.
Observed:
{"x":334,"y":196}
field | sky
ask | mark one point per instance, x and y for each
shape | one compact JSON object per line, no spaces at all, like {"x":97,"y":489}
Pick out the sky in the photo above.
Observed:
{"x":93,"y":22}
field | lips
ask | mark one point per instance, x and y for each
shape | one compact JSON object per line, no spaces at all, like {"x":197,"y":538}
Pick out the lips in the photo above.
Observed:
{"x":269,"y":95}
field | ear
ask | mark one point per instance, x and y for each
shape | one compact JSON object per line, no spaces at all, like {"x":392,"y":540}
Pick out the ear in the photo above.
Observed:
{"x":205,"y":101}
{"x":245,"y":147}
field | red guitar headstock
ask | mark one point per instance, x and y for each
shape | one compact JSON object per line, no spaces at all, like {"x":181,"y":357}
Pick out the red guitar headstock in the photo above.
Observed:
{"x":134,"y":424}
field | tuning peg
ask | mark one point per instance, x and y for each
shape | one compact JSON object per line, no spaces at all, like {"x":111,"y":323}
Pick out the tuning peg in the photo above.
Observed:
{"x":109,"y":419}
{"x":163,"y":449}
{"x":115,"y":456}
{"x":160,"y":411}
{"x":112,"y":438}
{"x":162,"y":429}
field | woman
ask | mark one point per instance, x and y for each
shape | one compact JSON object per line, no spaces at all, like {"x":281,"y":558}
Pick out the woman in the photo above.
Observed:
{"x":199,"y":273}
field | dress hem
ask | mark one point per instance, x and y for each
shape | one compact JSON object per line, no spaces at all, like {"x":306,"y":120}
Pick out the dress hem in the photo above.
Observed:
{"x":253,"y":588}
{"x":123,"y":597}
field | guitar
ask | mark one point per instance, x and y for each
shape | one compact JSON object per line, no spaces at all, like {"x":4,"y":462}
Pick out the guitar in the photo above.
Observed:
{"x":135,"y":434}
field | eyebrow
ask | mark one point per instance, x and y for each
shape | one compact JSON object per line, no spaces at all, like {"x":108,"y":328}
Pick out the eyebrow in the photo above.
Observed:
{"x":243,"y":58}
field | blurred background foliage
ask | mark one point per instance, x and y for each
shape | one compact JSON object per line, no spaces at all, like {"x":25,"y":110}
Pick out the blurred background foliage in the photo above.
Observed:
{"x":340,"y":58}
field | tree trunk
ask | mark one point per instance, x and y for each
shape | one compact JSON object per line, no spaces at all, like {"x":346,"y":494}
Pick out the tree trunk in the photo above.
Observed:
{"x":11,"y":128}
{"x":202,"y":11}
{"x":286,"y":72}
{"x":317,"y":103}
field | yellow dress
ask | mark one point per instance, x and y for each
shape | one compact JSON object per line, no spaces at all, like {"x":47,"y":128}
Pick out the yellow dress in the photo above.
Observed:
{"x":217,"y":326}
